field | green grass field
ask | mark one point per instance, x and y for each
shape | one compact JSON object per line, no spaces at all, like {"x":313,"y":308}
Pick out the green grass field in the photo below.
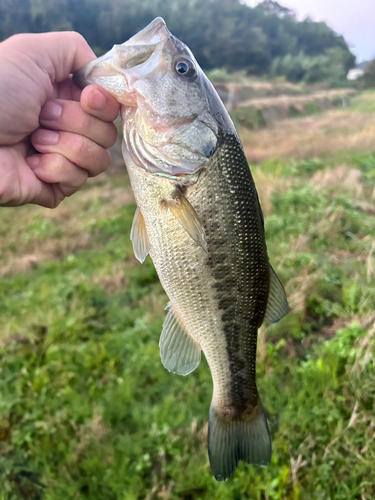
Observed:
{"x":87,"y":411}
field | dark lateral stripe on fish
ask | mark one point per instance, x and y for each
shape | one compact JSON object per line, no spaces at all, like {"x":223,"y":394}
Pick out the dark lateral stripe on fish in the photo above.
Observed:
{"x":237,"y":325}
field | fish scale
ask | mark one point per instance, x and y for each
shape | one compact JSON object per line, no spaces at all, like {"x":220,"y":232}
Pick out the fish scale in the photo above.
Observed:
{"x":199,"y":218}
{"x":237,"y":262}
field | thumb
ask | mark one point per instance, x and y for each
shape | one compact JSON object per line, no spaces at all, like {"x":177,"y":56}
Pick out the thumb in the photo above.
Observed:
{"x":31,"y":65}
{"x":58,"y":54}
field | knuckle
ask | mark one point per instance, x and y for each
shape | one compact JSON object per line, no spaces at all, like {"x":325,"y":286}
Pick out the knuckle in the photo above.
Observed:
{"x":51,"y":165}
{"x":69,"y":191}
{"x":7,"y":187}
{"x":76,"y":37}
{"x":79,"y":180}
{"x":112,"y":134}
{"x":102,"y":164}
{"x":74,"y":179}
{"x":107,"y":161}
{"x":55,"y":161}
{"x":58,"y":197}
{"x":80,"y":146}
{"x":6,"y":194}
{"x":85,"y":121}
{"x":53,"y":203}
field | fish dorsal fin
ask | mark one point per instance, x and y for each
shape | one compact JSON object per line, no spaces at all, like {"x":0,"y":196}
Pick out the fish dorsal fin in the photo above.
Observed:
{"x":188,"y":218}
{"x":277,"y":305}
{"x":179,"y":352}
{"x":139,"y":237}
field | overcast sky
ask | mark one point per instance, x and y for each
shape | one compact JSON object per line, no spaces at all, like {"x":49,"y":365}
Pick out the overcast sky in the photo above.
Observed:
{"x":355,"y":19}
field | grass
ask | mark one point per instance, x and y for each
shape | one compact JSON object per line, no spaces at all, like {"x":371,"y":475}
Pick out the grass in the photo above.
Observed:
{"x":339,"y":133}
{"x":256,"y":113}
{"x":88,"y":412}
{"x":363,"y":102}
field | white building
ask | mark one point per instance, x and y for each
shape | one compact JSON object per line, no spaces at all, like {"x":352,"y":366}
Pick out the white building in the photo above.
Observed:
{"x":355,"y":73}
{"x":358,"y":71}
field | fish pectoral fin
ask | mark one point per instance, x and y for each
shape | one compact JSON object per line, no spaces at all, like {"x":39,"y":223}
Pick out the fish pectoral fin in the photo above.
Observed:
{"x":139,"y":237}
{"x":179,"y":352}
{"x":187,"y":217}
{"x":277,"y":305}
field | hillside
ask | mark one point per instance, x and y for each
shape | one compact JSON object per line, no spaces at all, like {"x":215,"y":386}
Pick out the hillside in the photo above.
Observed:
{"x":264,"y":40}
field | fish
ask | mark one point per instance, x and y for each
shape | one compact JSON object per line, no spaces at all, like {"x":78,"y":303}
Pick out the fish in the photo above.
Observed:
{"x":199,"y":218}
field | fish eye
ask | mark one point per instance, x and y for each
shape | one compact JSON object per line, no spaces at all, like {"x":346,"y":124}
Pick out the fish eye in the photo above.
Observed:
{"x":185,"y":68}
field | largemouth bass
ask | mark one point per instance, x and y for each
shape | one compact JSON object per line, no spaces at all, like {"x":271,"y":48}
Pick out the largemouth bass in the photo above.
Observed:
{"x":200,"y":220}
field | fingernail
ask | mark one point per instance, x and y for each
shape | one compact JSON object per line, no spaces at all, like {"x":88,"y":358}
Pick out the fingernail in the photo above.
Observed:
{"x":45,"y":137}
{"x":51,"y":111}
{"x":98,"y":100}
{"x":33,"y":161}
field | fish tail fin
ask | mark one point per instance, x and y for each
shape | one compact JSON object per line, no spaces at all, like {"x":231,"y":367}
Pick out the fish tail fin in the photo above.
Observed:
{"x":230,"y":441}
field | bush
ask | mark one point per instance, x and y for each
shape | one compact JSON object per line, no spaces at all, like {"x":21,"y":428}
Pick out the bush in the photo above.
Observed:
{"x":331,"y":66}
{"x":368,"y":79}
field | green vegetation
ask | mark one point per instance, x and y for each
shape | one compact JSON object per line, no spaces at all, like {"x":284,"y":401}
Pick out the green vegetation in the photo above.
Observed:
{"x":267,"y":39}
{"x":331,"y":66}
{"x":258,"y":113}
{"x":88,"y":412}
{"x":364,"y":102}
{"x":368,"y":79}
{"x":249,"y":117}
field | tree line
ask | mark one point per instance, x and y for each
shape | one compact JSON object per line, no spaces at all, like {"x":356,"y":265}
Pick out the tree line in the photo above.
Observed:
{"x":264,"y":40}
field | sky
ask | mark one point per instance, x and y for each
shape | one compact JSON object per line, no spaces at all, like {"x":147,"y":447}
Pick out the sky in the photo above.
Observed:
{"x":355,"y":19}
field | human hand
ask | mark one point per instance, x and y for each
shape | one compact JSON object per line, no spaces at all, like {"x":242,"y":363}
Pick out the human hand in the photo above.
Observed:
{"x":42,"y":111}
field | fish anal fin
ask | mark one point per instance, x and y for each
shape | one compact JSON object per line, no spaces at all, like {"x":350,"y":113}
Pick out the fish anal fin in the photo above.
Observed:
{"x":277,"y":305}
{"x":187,"y":217}
{"x":139,"y":237}
{"x":179,"y":352}
{"x":233,"y":439}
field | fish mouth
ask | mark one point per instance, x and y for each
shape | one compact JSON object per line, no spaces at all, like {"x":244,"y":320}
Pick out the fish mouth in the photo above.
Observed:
{"x":113,"y":70}
{"x":153,"y":33}
{"x":160,"y":135}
